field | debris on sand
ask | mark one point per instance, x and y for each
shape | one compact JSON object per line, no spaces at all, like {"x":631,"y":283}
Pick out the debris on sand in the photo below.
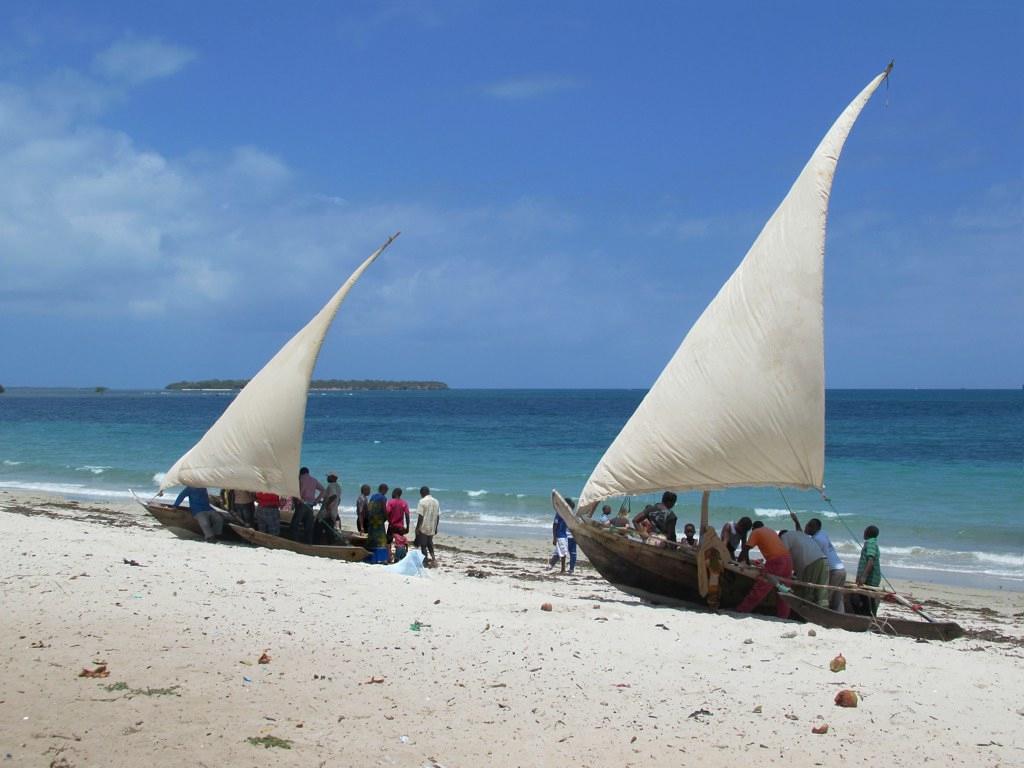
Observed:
{"x":269,"y":741}
{"x":846,"y":698}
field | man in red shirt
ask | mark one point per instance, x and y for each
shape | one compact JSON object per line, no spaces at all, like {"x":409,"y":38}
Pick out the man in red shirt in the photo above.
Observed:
{"x":777,"y":561}
{"x":268,"y":513}
{"x":398,"y":515}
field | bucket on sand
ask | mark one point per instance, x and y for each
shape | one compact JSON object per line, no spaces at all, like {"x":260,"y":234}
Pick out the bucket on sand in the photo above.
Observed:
{"x":379,"y":555}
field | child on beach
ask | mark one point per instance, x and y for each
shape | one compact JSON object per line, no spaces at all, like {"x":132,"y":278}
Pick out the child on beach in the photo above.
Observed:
{"x":690,"y":534}
{"x":400,"y":546}
{"x":868,"y":572}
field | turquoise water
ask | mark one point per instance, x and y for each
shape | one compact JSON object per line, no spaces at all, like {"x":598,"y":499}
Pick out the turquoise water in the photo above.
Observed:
{"x":940,"y":472}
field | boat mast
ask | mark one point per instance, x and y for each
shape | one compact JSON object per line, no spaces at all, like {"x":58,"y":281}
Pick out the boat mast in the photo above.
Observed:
{"x":704,"y":511}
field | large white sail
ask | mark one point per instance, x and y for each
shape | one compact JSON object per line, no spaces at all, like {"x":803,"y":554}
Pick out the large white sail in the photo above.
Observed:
{"x":742,"y":402}
{"x":256,"y":443}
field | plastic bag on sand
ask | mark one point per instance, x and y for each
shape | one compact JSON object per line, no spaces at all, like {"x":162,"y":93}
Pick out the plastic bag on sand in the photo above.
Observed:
{"x":410,"y":565}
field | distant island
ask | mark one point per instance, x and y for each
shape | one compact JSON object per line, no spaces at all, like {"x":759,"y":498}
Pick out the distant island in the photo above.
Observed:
{"x":343,"y":385}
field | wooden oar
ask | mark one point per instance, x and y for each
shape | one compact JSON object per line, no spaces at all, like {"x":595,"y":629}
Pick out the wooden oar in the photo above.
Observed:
{"x":864,"y":589}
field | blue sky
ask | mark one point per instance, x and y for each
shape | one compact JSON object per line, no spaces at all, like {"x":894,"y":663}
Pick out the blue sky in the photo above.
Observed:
{"x":183,"y":185}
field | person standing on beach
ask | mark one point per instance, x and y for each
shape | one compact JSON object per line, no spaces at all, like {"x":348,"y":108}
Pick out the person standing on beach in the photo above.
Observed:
{"x":398,"y":514}
{"x":868,"y":572}
{"x":361,"y":505}
{"x":560,"y":541}
{"x":809,"y":564}
{"x":268,"y":513}
{"x":210,"y":523}
{"x":777,"y":562}
{"x":732,"y":538}
{"x":836,"y":569}
{"x":428,"y":517}
{"x":310,"y":492}
{"x":243,"y":504}
{"x":332,"y":500}
{"x":310,"y":489}
{"x":376,"y":518}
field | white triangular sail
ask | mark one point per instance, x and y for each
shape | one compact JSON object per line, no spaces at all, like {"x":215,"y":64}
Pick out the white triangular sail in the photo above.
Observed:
{"x":742,"y":402}
{"x":256,"y":443}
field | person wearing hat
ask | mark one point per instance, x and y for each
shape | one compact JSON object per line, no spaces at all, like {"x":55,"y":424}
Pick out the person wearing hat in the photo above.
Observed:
{"x":332,"y":501}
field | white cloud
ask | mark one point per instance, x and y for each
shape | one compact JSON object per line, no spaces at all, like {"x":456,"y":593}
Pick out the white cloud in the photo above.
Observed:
{"x":362,"y":29}
{"x":1001,"y":208}
{"x":135,"y":61}
{"x":520,"y":89}
{"x":253,"y":165}
{"x":93,"y":225}
{"x":680,"y":228}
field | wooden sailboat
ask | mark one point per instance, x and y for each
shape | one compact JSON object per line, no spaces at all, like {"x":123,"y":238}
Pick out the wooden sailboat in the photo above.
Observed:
{"x":256,"y":444}
{"x":740,"y":404}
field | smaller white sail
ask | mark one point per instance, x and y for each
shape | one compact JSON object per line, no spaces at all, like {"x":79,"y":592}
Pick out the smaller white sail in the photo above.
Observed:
{"x":256,"y":443}
{"x":742,"y":401}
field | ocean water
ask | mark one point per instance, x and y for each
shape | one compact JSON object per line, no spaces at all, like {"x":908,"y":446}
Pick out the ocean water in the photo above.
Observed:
{"x":940,"y":472}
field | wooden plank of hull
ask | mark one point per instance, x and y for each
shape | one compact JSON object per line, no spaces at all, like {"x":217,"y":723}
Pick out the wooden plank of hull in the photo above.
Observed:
{"x":336,"y":552}
{"x":180,"y":521}
{"x":885,"y":625}
{"x":651,"y":572}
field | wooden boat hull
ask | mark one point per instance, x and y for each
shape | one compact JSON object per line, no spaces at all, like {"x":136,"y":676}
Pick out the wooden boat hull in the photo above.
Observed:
{"x":180,"y":521}
{"x":333,"y":551}
{"x":660,"y":575}
{"x":669,"y":576}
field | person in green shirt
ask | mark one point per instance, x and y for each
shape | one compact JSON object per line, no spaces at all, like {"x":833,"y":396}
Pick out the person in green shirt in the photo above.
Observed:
{"x":868,"y":572}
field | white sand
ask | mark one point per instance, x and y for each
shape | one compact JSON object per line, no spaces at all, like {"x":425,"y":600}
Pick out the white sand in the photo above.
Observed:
{"x":489,"y":679}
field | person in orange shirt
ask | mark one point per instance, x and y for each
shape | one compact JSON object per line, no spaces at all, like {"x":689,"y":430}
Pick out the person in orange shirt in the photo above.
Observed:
{"x":777,"y":561}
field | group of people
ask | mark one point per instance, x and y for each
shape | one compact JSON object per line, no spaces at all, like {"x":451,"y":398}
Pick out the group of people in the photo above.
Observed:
{"x":315,"y":516}
{"x":808,"y":555}
{"x":805,"y":554}
{"x":385,"y":521}
{"x":313,"y":513}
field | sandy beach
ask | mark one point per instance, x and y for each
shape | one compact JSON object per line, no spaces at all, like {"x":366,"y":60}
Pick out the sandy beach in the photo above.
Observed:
{"x":460,"y":667}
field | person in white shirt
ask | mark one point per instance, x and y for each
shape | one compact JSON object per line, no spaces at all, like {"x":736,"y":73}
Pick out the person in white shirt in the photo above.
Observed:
{"x":836,"y":569}
{"x":332,"y":500}
{"x":428,"y":517}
